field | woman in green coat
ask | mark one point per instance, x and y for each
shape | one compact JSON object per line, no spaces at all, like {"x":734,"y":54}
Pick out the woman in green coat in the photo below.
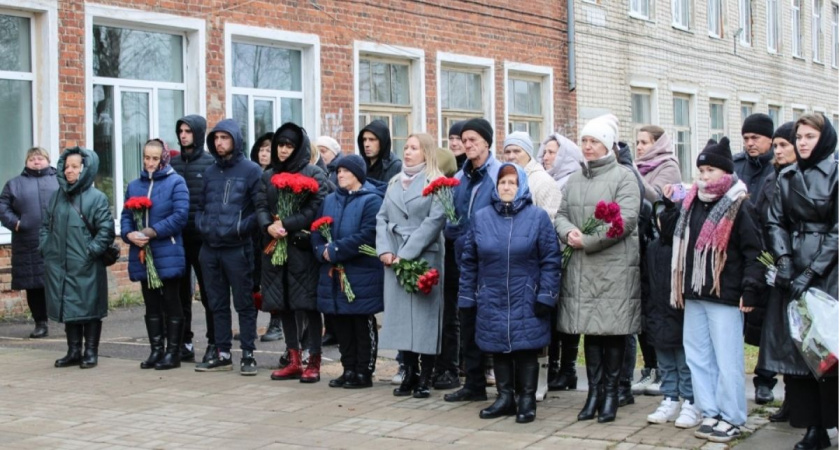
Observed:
{"x":75,"y":277}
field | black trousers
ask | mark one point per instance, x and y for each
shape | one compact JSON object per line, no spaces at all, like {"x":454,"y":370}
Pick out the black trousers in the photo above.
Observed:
{"x":356,"y":334}
{"x":450,"y":345}
{"x":648,"y":352}
{"x":163,"y":301}
{"x":192,"y":249}
{"x":474,"y":359}
{"x":418,"y":360}
{"x":37,"y":301}
{"x":310,"y":337}
{"x":811,"y":402}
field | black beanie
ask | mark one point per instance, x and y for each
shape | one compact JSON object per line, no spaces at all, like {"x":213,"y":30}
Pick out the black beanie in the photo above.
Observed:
{"x":455,"y":129}
{"x":480,"y":126}
{"x":355,"y":164}
{"x":717,"y":154}
{"x":785,"y":132}
{"x":289,"y":134}
{"x":759,"y":124}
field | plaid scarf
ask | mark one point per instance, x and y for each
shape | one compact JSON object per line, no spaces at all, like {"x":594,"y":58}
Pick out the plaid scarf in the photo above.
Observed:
{"x":714,"y":235}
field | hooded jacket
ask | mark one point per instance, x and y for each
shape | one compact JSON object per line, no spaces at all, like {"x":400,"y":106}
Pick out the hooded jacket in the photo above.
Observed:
{"x":386,"y":165}
{"x":191,"y":167}
{"x":292,"y":286}
{"x":659,"y":167}
{"x":255,"y":149}
{"x":753,"y":171}
{"x":511,"y":261}
{"x":226,"y":215}
{"x":568,"y":159}
{"x":23,"y":200}
{"x":75,"y":277}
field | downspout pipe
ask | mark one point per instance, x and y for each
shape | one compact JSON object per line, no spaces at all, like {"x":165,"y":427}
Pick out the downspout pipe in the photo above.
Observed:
{"x":570,"y":33}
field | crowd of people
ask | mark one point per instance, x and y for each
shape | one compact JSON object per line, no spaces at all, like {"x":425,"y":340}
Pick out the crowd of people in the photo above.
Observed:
{"x":535,"y":246}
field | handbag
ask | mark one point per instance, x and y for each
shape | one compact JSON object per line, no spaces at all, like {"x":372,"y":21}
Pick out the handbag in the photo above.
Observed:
{"x":112,"y":253}
{"x":302,"y":240}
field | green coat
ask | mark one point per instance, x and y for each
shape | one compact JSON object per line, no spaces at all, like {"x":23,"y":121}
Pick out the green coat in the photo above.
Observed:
{"x":75,"y":279}
{"x":601,"y":290}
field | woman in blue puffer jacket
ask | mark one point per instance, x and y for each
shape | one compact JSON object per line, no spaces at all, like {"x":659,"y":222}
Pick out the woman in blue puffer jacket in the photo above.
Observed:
{"x":511,"y":274}
{"x":161,"y":230}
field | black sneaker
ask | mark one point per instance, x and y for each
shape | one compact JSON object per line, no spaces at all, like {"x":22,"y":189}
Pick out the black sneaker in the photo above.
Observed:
{"x":274,"y":331}
{"x":210,"y":353}
{"x":187,"y":354}
{"x":725,"y":432}
{"x":247,"y":365}
{"x":215,"y":364}
{"x":447,"y":380}
{"x":466,"y":395}
{"x":707,"y":427}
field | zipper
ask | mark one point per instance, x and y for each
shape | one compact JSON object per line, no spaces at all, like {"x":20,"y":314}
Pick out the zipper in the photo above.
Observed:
{"x":238,"y":223}
{"x":227,"y":192}
{"x":149,"y":195}
{"x":510,"y":239}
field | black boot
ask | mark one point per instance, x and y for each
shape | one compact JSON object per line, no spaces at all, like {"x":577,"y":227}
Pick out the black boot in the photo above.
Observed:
{"x":42,"y":330}
{"x":174,"y":334}
{"x":566,"y":376}
{"x":424,"y":382}
{"x":613,"y":359}
{"x":74,"y":346}
{"x":625,"y":394}
{"x":783,"y":414}
{"x":92,"y":331}
{"x":505,"y":404}
{"x":527,"y":377}
{"x":274,"y":331}
{"x":154,"y":328}
{"x":594,"y":374}
{"x":409,"y":381}
{"x":816,"y":438}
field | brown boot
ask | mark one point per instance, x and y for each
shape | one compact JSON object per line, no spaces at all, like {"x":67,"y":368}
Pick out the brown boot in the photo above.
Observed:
{"x":312,"y":373}
{"x":294,"y":370}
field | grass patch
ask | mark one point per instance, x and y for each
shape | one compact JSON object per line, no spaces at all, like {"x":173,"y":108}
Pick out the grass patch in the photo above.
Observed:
{"x":126,"y":299}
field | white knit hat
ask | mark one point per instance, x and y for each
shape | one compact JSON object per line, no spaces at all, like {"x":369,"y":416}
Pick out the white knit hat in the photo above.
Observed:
{"x":328,"y":142}
{"x":522,"y":140}
{"x":602,"y":129}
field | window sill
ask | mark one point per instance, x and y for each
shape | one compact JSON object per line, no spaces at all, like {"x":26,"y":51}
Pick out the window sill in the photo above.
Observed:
{"x":799,"y":58}
{"x":818,"y":62}
{"x":715,"y":36}
{"x":679,"y":27}
{"x":639,"y":16}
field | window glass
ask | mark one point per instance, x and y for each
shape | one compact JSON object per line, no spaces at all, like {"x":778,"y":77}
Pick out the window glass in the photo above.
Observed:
{"x":137,"y":55}
{"x":15,"y":45}
{"x":264,"y":67}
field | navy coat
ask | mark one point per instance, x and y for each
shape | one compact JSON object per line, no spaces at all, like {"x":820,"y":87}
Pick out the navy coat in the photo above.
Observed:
{"x":167,"y":216}
{"x":511,"y":261}
{"x":354,"y":224}
{"x":191,"y":164}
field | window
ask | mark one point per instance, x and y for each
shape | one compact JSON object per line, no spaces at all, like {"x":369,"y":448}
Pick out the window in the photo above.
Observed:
{"x":817,"y":31}
{"x":682,"y":134}
{"x":746,"y":110}
{"x":774,"y":35}
{"x":461,"y":98}
{"x":775,"y":113}
{"x":835,"y":41}
{"x":681,"y":14}
{"x":717,"y":128}
{"x":17,"y":77}
{"x":640,"y":107}
{"x":796,"y":28}
{"x":715,"y":16}
{"x":529,"y":100}
{"x":745,"y":21}
{"x":797,"y":113}
{"x":640,"y":9}
{"x":384,"y":94}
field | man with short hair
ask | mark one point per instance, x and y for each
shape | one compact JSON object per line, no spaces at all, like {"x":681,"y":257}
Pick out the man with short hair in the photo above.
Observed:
{"x":375,"y":146}
{"x":226,"y":219}
{"x":756,"y":161}
{"x":191,"y":164}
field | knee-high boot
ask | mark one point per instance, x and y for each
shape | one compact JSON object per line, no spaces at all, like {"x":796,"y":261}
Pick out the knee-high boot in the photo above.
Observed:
{"x":92,"y":331}
{"x":527,"y":376}
{"x":593,"y":352}
{"x":505,"y":404}
{"x":174,"y":335}
{"x":566,"y":377}
{"x":613,"y":359}
{"x":74,"y":346}
{"x":154,"y":327}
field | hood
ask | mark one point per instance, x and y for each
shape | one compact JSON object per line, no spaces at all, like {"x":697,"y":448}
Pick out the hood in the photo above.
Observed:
{"x":380,"y":129}
{"x":568,"y":160}
{"x":255,"y":149}
{"x":157,"y":174}
{"x":825,"y":147}
{"x":299,"y":157}
{"x":523,"y":194}
{"x":90,"y":167}
{"x":230,"y":127}
{"x":198,"y":125}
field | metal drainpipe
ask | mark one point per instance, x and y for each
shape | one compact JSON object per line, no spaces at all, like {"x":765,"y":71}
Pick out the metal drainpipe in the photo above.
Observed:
{"x":570,"y":32}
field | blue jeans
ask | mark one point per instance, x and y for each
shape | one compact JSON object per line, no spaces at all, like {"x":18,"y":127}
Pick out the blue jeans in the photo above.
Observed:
{"x":675,"y":374}
{"x":228,"y":270}
{"x":714,"y":350}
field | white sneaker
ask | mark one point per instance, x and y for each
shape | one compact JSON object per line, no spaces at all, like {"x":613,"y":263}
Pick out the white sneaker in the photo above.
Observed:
{"x":656,"y":383}
{"x":490,"y":376}
{"x":398,"y":378}
{"x":638,"y":388}
{"x":668,"y":411}
{"x":690,"y":416}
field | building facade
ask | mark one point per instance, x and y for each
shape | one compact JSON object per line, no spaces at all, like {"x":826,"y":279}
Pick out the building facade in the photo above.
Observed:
{"x":698,"y":67}
{"x":109,"y":75}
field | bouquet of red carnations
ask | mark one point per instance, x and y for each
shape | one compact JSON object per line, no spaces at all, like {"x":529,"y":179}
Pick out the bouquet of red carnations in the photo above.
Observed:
{"x":322,"y":226}
{"x":140,"y":207}
{"x":812,"y":320}
{"x":442,"y":189}
{"x":605,"y":214}
{"x":413,"y":276}
{"x":293,"y":189}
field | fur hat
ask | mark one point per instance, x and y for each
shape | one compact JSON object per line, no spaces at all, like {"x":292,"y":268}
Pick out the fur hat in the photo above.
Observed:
{"x":717,"y":154}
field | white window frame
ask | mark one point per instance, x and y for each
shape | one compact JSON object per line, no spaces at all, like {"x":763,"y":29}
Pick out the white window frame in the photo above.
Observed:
{"x":835,"y":39}
{"x":778,"y":107}
{"x":310,"y":60}
{"x":642,"y":83}
{"x":798,"y":108}
{"x":796,"y":28}
{"x":43,"y":25}
{"x":744,"y":22}
{"x":453,"y":61}
{"x":722,"y":131}
{"x":691,"y":94}
{"x":678,"y":9}
{"x":817,"y":30}
{"x":714,"y":16}
{"x":546,"y":75}
{"x":194,"y":84}
{"x":637,"y":9}
{"x":651,"y":93}
{"x":774,"y":27}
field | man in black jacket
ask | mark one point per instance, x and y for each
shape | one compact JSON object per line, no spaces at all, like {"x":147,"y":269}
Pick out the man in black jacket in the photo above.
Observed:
{"x":191,"y":164}
{"x":375,"y":147}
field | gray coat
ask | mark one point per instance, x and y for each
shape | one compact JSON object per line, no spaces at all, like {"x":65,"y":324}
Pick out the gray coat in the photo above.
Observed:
{"x":601,"y":285}
{"x":409,"y":226}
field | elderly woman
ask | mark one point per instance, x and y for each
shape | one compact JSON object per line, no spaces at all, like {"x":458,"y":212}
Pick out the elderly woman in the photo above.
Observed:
{"x":76,"y":230}
{"x":802,"y":229}
{"x":600,"y":296}
{"x":22,"y":203}
{"x":161,"y":231}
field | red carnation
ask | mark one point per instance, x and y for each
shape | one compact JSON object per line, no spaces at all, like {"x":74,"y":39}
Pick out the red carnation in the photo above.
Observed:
{"x":323,"y":221}
{"x":614,"y":212}
{"x":602,"y":211}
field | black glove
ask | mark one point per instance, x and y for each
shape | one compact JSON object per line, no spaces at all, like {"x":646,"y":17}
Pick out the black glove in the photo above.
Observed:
{"x":800,"y":284}
{"x":542,"y":310}
{"x":784,"y":272}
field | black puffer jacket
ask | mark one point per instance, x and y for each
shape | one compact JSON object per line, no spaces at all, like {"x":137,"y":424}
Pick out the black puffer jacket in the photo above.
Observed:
{"x":387,"y":165}
{"x":663,"y":324}
{"x":292,"y":286}
{"x":191,"y":164}
{"x":753,"y":171}
{"x":257,"y":237}
{"x":24,"y":199}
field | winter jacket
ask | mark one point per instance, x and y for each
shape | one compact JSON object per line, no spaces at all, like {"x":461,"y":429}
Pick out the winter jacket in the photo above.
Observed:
{"x":292,"y":286}
{"x":167,"y":216}
{"x":409,"y":226}
{"x":257,"y":238}
{"x":387,"y":164}
{"x":601,"y":289}
{"x":354,"y":224}
{"x":191,"y":166}
{"x":474,"y":192}
{"x":511,"y":261}
{"x":753,"y":171}
{"x":226,"y":215}
{"x":665,"y":168}
{"x":663,"y":324}
{"x":544,"y":190}
{"x":23,"y":201}
{"x":75,"y":278}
